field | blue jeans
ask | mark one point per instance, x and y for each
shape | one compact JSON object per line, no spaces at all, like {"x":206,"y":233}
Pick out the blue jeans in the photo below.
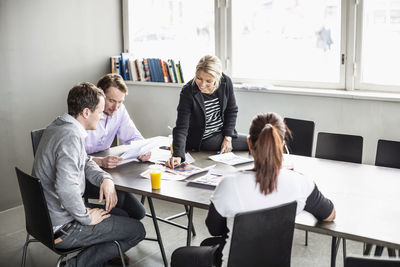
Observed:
{"x":99,"y":240}
{"x":126,"y":201}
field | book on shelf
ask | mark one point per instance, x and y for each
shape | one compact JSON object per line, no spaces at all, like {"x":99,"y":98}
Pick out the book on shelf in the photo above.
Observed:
{"x":179,"y":66}
{"x":133,"y":73}
{"x":146,"y":70}
{"x":153,"y":70}
{"x":125,"y":65}
{"x":171,"y":65}
{"x":178,"y":73}
{"x":140,"y":70}
{"x":115,"y":68}
{"x":164,"y":71}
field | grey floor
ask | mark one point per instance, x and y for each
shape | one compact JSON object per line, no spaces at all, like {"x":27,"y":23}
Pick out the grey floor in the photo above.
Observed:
{"x":13,"y":234}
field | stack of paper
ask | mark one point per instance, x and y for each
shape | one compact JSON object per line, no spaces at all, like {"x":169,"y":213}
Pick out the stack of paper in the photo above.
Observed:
{"x":230,"y":158}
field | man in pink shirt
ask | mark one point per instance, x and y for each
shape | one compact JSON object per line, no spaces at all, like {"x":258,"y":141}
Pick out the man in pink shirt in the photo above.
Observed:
{"x":115,"y":121}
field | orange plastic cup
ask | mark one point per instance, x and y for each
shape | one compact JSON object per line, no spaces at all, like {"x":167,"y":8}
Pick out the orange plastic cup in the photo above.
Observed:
{"x":155,"y":176}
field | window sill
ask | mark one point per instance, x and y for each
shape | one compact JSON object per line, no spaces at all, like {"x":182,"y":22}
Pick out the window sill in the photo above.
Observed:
{"x":336,"y":93}
{"x":158,"y":84}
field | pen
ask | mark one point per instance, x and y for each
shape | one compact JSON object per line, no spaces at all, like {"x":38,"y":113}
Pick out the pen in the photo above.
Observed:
{"x":218,"y":152}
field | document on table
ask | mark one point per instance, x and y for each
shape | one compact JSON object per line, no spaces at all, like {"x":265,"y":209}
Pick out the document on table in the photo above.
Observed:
{"x":141,"y":147}
{"x":208,"y":179}
{"x":164,"y":175}
{"x":179,"y":173}
{"x":160,"y":156}
{"x":230,"y":159}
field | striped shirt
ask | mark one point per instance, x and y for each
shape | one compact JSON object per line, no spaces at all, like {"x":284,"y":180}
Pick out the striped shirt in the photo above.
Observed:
{"x":213,"y":115}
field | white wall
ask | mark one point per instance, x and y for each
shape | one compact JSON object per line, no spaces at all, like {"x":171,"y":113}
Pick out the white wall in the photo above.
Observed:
{"x":46,"y":46}
{"x":371,"y":119}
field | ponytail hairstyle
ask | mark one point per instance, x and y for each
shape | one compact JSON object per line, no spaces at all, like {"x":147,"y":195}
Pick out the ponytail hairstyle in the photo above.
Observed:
{"x":267,"y":135}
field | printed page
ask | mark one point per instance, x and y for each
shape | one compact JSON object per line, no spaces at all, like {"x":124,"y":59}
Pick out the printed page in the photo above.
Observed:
{"x":230,"y":158}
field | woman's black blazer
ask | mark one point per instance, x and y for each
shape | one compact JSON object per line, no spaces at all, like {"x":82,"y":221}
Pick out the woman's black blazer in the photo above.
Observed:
{"x":191,"y":120}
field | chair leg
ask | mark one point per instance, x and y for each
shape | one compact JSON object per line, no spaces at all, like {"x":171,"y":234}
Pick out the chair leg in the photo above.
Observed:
{"x":120,"y":252}
{"x":392,"y":252}
{"x":306,"y":238}
{"x":378,"y":251}
{"x":344,"y":250}
{"x":142,"y":200}
{"x":60,"y":260}
{"x":367,"y":249}
{"x":24,"y":251}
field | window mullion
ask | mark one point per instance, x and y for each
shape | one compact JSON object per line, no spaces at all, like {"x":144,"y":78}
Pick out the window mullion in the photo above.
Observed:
{"x":353,"y":45}
{"x":126,"y":25}
{"x":222,"y":49}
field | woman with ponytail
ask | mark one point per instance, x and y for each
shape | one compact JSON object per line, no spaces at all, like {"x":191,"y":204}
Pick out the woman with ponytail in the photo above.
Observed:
{"x":267,"y":185}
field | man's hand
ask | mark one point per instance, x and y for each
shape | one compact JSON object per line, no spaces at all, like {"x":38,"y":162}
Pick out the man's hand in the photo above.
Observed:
{"x":107,"y":189}
{"x":173,"y":161}
{"x":97,"y":215}
{"x":145,"y":157}
{"x":107,"y":162}
{"x":226,"y":146}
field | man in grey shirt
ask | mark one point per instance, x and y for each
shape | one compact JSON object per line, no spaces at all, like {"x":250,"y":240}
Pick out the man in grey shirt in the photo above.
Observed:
{"x":61,"y":163}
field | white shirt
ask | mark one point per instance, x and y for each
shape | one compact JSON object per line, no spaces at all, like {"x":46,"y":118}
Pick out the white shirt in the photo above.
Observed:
{"x":240,"y":193}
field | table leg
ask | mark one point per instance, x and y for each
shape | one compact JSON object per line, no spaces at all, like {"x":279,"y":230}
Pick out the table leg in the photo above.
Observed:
{"x":187,"y":212}
{"x":190,"y":226}
{"x":154,"y":217}
{"x":334,"y":250}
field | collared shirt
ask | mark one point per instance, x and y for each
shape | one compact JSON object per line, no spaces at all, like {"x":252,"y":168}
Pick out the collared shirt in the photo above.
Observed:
{"x":62,"y":165}
{"x":119,"y":124}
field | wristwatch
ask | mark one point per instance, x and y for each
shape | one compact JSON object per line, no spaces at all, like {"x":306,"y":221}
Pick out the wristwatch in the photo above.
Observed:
{"x":228,"y":138}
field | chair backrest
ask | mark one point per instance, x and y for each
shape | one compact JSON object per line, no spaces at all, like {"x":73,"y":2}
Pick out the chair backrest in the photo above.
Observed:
{"x":388,"y":154}
{"x":263,"y":237}
{"x":363,"y":261}
{"x":341,"y":147}
{"x":37,"y":218}
{"x":302,"y":139}
{"x":36,"y":135}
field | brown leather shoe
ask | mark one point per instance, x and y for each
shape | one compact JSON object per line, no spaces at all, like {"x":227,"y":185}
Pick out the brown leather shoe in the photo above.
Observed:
{"x":117,"y":260}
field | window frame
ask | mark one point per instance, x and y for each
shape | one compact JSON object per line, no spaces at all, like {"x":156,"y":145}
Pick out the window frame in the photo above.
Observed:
{"x":350,"y":48}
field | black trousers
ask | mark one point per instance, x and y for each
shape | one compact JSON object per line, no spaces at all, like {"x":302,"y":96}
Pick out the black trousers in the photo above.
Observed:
{"x":208,"y":254}
{"x":214,"y":142}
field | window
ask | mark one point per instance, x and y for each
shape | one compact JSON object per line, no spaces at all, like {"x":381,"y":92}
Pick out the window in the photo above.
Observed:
{"x":380,"y":43}
{"x":341,"y":44}
{"x":286,"y":40}
{"x":177,"y":29}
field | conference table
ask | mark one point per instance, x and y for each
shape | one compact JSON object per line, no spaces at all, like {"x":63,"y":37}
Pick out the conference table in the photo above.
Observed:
{"x":366,"y":197}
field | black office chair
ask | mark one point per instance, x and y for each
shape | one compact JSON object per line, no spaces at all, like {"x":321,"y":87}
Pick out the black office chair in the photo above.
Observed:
{"x":259,"y":238}
{"x":387,"y":155}
{"x":37,"y":218}
{"x":371,"y":262}
{"x":36,"y":135}
{"x":301,"y":141}
{"x":341,"y":147}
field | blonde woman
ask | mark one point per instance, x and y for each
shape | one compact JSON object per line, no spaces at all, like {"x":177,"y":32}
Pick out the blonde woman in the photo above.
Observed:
{"x":207,"y":113}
